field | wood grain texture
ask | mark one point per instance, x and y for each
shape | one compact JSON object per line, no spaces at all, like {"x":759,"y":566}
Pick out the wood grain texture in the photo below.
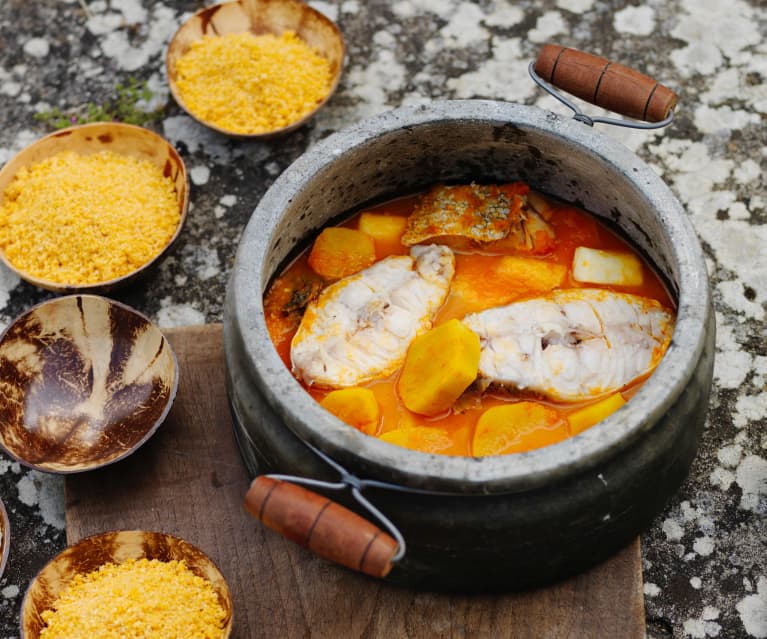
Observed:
{"x":612,"y":86}
{"x":323,"y":526}
{"x":189,"y":481}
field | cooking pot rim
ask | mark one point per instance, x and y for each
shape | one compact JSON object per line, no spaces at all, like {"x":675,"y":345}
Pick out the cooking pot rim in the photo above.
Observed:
{"x":507,"y":473}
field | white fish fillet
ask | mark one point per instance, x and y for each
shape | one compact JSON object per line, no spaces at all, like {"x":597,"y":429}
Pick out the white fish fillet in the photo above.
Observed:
{"x":360,"y":328}
{"x":573,"y":344}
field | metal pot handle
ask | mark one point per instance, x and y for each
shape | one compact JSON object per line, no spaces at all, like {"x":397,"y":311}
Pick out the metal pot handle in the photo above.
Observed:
{"x":605,"y":84}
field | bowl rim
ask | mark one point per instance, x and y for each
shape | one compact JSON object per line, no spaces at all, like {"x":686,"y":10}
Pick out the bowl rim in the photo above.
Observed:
{"x":267,"y":135}
{"x":151,"y":431}
{"x":104,"y":285}
{"x":5,"y":542}
{"x":117,"y":532}
{"x":462,"y":475}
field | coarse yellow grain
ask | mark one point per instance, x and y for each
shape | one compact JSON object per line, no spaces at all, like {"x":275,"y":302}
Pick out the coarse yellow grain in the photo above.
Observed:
{"x":136,"y":599}
{"x":252,"y":84}
{"x":84,"y":219}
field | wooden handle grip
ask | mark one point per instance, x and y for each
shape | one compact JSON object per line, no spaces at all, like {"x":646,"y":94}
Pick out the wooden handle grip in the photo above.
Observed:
{"x":321,"y":525}
{"x":606,"y":84}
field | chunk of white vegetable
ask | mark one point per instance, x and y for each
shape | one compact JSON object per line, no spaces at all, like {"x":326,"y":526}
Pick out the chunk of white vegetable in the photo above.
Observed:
{"x":606,"y":267}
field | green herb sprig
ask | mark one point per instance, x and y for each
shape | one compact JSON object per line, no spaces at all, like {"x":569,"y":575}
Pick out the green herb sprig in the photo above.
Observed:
{"x":122,"y":108}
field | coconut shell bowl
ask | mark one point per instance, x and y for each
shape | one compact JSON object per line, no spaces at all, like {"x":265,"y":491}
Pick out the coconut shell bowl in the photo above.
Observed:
{"x":122,"y":139}
{"x":86,"y":381}
{"x":259,"y":17}
{"x":116,"y":547}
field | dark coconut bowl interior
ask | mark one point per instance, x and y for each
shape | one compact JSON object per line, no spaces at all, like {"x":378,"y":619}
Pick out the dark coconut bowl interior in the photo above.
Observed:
{"x":87,"y":380}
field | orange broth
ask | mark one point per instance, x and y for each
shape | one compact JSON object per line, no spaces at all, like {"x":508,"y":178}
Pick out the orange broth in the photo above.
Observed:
{"x":572,"y":227}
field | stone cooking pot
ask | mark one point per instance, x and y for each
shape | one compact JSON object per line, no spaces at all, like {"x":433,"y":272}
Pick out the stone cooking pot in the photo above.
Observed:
{"x":500,"y":522}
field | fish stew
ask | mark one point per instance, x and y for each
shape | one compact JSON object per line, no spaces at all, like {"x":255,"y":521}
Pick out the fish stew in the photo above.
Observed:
{"x":428,"y":383}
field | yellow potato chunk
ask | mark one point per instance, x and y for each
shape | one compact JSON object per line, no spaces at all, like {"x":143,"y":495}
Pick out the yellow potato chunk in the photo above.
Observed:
{"x":423,"y":438}
{"x":606,"y":267}
{"x":386,"y":230}
{"x":357,"y":407}
{"x":439,"y":366}
{"x":339,"y":252}
{"x":586,"y":417}
{"x":513,"y":428}
{"x":527,"y":274}
{"x":496,"y":281}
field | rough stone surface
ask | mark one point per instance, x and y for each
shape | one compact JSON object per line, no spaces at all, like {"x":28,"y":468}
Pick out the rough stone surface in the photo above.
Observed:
{"x":705,"y":557}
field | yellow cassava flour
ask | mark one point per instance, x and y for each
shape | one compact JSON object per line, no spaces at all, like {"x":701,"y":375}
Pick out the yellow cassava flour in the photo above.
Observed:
{"x":84,"y":219}
{"x":137,"y":599}
{"x":252,"y":84}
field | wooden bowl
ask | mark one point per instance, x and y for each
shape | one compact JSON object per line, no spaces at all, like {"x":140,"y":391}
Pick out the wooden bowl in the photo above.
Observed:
{"x":123,"y":139}
{"x":114,"y":547}
{"x":259,"y":17}
{"x":5,"y":537}
{"x":86,"y":381}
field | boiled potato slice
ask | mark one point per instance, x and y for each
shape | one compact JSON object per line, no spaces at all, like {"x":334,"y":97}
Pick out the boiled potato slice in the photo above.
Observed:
{"x":357,"y":407}
{"x":586,"y":417}
{"x":338,"y":252}
{"x":495,"y":281}
{"x":423,"y":438}
{"x":513,"y":428}
{"x":386,"y":230}
{"x":606,"y":267}
{"x":530,"y":273}
{"x":439,"y":366}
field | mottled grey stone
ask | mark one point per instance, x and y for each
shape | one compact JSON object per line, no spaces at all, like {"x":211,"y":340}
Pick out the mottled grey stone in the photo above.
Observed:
{"x":704,"y":557}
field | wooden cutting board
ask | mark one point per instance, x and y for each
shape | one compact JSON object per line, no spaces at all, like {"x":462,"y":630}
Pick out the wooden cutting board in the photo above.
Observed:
{"x":188,"y":480}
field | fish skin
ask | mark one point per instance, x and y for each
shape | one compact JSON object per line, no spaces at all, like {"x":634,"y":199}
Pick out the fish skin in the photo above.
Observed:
{"x":572,"y":344}
{"x":477,"y":213}
{"x":359,"y":329}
